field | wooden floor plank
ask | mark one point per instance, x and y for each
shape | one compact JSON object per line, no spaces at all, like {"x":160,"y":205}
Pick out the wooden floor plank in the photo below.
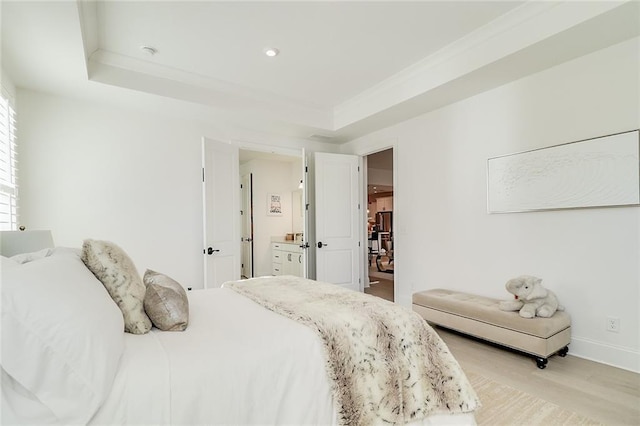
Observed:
{"x":600,"y":392}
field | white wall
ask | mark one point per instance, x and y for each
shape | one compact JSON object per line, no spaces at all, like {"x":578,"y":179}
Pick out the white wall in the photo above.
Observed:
{"x":445,"y":238}
{"x":269,"y":177}
{"x":90,"y":170}
{"x":7,"y":85}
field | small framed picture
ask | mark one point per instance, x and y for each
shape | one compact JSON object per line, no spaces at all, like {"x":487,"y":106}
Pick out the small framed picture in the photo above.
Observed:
{"x":274,"y":205}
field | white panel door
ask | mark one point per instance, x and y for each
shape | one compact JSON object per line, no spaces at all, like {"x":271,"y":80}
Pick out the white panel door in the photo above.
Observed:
{"x":337,"y":213}
{"x":221,"y":212}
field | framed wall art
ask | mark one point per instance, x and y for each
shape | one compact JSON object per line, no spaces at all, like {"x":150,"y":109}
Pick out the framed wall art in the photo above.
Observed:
{"x":599,"y":172}
{"x":274,"y":205}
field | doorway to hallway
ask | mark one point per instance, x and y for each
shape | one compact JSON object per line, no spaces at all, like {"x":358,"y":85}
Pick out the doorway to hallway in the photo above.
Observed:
{"x":380,"y":228}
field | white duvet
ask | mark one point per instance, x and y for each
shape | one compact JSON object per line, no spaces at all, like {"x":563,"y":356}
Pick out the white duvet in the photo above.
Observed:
{"x":237,"y":363}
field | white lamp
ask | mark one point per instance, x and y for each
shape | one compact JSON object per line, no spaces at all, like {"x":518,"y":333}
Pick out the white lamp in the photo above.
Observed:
{"x":17,"y":242}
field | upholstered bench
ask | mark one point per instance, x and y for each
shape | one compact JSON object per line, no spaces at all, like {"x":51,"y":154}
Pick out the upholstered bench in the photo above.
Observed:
{"x":481,"y":317}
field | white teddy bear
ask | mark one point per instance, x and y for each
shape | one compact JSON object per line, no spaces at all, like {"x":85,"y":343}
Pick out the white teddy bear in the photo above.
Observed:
{"x":531,"y":298}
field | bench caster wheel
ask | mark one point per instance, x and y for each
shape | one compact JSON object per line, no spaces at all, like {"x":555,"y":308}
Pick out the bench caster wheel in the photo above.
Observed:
{"x":563,"y":352}
{"x":542,"y":363}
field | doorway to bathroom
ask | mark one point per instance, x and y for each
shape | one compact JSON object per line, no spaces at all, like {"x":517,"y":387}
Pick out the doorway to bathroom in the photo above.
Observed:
{"x":268,"y":178}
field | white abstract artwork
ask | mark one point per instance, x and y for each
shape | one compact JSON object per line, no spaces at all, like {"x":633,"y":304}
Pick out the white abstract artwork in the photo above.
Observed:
{"x":597,"y":172}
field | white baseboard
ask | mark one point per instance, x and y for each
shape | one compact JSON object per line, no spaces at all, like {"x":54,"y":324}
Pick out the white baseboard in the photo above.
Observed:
{"x":616,"y":356}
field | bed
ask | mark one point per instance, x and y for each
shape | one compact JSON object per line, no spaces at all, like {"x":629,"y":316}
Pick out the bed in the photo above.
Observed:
{"x":241,"y":360}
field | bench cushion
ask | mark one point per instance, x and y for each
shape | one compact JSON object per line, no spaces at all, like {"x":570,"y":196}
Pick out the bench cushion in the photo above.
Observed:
{"x":486,"y":309}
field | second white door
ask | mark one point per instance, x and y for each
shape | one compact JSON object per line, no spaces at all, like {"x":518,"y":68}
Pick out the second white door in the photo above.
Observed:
{"x":337,"y":218}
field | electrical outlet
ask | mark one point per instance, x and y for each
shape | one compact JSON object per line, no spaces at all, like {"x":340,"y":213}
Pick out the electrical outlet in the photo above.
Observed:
{"x":613,"y":324}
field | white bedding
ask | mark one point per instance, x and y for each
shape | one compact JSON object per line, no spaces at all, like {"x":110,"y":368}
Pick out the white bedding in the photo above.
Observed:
{"x":65,"y":360}
{"x":237,"y":363}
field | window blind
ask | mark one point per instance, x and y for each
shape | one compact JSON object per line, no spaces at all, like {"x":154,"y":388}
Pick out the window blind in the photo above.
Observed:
{"x":8,"y":165}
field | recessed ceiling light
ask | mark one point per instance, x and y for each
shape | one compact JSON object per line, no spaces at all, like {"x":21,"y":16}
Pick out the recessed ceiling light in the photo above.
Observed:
{"x":149,"y":50}
{"x":271,"y":51}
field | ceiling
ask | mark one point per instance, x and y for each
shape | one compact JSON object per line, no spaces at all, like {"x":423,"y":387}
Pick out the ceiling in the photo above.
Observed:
{"x":329,"y":52}
{"x":381,"y":164}
{"x":344,"y":69}
{"x":381,"y":160}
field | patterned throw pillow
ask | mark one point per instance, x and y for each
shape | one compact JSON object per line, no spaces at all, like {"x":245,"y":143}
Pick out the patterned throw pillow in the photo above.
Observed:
{"x":117,"y":272}
{"x":166,"y":302}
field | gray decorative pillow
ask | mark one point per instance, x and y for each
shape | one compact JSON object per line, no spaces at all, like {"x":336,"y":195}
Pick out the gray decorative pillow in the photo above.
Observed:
{"x":166,"y":302}
{"x":111,"y":265}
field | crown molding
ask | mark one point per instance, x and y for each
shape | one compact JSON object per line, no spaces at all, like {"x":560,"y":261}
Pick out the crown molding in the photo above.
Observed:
{"x":514,"y":31}
{"x":483,"y":59}
{"x":109,"y":68}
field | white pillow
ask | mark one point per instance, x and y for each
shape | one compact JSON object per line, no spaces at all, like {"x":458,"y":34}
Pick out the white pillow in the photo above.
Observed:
{"x":62,"y":336}
{"x":21,"y":407}
{"x":7,"y":262}
{"x":30,"y":257}
{"x":111,"y":265}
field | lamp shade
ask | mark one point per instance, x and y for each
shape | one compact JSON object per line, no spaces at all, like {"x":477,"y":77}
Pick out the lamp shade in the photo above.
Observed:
{"x":17,"y":242}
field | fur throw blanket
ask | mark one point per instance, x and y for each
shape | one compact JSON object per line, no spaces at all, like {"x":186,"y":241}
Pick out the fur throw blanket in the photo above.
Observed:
{"x":386,"y":364}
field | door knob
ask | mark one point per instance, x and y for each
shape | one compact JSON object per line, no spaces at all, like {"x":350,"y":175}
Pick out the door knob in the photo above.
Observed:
{"x":210,"y":251}
{"x":320,"y":244}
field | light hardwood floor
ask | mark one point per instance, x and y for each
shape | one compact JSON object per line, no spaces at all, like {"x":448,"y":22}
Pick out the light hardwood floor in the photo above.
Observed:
{"x":381,"y":288}
{"x":600,"y":392}
{"x":382,"y":283}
